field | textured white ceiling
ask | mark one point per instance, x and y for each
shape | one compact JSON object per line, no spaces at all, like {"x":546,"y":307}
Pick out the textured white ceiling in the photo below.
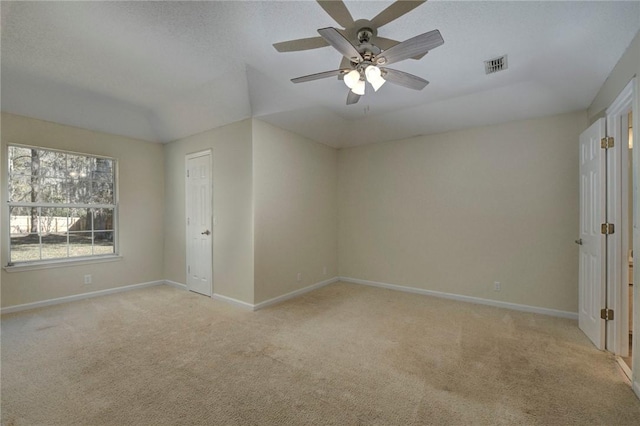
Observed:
{"x":161,"y":71}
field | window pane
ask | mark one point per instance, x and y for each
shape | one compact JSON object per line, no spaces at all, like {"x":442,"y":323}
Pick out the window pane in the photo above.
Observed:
{"x":21,"y":188}
{"x":79,"y":166}
{"x":52,"y":163}
{"x":103,"y":219}
{"x":25,"y":243}
{"x":79,"y":190}
{"x":51,"y":190}
{"x":102,"y":188}
{"x":80,"y":220}
{"x":54,"y":245}
{"x":103,"y":242}
{"x":19,"y":160}
{"x":22,"y":221}
{"x":80,"y":244}
{"x":104,"y":165}
{"x":53,"y":220}
{"x":25,"y":248}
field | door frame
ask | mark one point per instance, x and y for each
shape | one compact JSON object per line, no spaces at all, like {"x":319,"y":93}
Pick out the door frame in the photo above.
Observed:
{"x":206,"y":152}
{"x":617,"y":333}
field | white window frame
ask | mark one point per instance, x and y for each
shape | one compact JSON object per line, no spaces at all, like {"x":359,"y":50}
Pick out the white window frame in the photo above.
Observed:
{"x":66,"y":261}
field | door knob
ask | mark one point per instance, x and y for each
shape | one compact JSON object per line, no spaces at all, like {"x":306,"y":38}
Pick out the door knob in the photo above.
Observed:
{"x":207,"y":232}
{"x":579,"y":241}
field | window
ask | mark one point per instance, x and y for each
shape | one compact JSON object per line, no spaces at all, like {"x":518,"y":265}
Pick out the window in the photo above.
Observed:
{"x":61,"y":205}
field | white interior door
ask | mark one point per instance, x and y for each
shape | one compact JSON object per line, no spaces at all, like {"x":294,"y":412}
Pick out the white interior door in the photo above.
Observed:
{"x":592,"y":266}
{"x":199,"y":230}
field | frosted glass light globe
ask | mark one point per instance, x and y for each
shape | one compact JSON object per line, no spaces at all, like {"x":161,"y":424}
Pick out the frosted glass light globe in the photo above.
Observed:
{"x":374,"y":77}
{"x":351,"y":78}
{"x":358,"y":88}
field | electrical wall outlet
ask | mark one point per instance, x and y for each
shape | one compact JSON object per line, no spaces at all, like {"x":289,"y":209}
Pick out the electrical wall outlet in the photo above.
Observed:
{"x":299,"y":276}
{"x":497,"y":286}
{"x":324,"y":270}
{"x":87,"y":279}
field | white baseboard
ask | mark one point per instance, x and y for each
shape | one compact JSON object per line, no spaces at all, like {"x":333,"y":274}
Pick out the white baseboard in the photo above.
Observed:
{"x":273,"y":301}
{"x":231,"y":300}
{"x":246,"y":305}
{"x":215,"y":296}
{"x":293,"y":294}
{"x":74,"y":297}
{"x":470,"y":299}
{"x":625,"y":369}
{"x":176,"y":284}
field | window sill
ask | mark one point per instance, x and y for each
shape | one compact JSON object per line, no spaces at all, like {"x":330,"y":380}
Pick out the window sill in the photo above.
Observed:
{"x":61,"y":263}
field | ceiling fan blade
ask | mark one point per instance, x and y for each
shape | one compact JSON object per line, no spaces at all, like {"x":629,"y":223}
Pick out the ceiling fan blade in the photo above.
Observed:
{"x":404,"y":79}
{"x":387,"y":43}
{"x":301,"y":44}
{"x":338,"y":11}
{"x":413,"y":47}
{"x":318,"y":76}
{"x":395,"y":11}
{"x":384,"y":43}
{"x":340,"y":43}
{"x":352,"y":98}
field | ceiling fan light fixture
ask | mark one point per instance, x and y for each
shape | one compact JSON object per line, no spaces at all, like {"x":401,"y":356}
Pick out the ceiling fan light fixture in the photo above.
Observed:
{"x":363,"y":52}
{"x":352,"y":78}
{"x":374,"y":77}
{"x":358,"y":88}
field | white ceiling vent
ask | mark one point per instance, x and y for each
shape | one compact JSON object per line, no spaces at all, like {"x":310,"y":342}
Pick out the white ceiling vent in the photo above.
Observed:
{"x":496,"y":64}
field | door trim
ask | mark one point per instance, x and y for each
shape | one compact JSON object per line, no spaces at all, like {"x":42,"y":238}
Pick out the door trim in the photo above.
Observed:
{"x":188,"y":157}
{"x":617,"y":213}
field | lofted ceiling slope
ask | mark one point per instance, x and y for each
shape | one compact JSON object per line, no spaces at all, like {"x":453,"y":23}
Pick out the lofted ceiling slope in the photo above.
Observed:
{"x":160,"y":71}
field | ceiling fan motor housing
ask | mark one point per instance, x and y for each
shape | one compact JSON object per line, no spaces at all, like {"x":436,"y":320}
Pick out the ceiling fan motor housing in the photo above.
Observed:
{"x":364,"y":35}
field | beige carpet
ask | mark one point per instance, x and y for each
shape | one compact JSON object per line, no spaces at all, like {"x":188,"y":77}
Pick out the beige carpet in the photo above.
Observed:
{"x":342,"y":355}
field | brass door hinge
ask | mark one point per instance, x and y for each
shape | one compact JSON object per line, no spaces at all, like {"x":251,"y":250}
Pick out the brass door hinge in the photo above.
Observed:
{"x":606,"y":314}
{"x":607,"y":142}
{"x":607,"y":228}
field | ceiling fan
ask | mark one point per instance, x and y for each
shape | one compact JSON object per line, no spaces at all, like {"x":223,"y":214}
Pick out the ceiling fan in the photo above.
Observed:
{"x":365,"y":55}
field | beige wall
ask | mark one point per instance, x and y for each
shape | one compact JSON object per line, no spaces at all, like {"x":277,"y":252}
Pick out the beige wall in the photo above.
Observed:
{"x":296,"y":215}
{"x":274,"y":200}
{"x":295,"y":205}
{"x":232,"y":207}
{"x":455,"y":212}
{"x":141,"y":185}
{"x":622,"y":73}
